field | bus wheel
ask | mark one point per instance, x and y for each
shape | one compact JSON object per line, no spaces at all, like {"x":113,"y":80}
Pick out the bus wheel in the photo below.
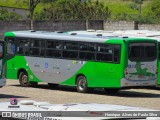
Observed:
{"x":82,"y":85}
{"x":111,"y":90}
{"x":23,"y":79}
{"x":52,"y":85}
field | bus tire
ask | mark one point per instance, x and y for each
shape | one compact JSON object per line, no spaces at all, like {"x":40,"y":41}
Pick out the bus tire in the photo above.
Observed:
{"x":111,"y":90}
{"x":24,"y":82}
{"x":82,"y":85}
{"x":52,"y":85}
{"x":23,"y":79}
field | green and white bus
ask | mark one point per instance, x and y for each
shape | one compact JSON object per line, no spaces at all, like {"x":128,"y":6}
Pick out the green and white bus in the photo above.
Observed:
{"x":84,"y":61}
{"x":2,"y":64}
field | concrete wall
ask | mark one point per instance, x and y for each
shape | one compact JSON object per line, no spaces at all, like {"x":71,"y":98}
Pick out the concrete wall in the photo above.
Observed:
{"x":12,"y":26}
{"x":72,"y":25}
{"x":60,"y":25}
{"x":149,"y":26}
{"x":118,"y":25}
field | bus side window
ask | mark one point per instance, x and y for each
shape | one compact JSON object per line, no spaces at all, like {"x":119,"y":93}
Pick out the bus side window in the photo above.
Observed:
{"x":104,"y":53}
{"x":23,"y":47}
{"x":87,"y":56}
{"x":34,"y":51}
{"x":54,"y":44}
{"x":11,"y":48}
{"x":37,"y":47}
{"x":87,"y":51}
{"x":53,"y":53}
{"x":70,"y":50}
{"x":117,"y":53}
{"x":53,"y":49}
{"x":42,"y":48}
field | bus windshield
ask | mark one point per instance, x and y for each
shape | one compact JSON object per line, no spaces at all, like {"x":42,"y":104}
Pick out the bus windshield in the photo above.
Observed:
{"x":142,"y":51}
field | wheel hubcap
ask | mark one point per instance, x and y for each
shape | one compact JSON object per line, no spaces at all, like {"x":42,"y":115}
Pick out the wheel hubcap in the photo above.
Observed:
{"x":24,"y":79}
{"x":82,"y":84}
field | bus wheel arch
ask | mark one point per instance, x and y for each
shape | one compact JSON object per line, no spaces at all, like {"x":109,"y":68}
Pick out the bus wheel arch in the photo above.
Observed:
{"x":82,"y":84}
{"x":19,"y":71}
{"x":77,"y":77}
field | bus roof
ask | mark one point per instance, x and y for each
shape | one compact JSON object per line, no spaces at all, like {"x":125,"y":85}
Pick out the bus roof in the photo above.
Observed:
{"x":139,"y":33}
{"x":152,"y":34}
{"x":94,"y":32}
{"x":101,"y":38}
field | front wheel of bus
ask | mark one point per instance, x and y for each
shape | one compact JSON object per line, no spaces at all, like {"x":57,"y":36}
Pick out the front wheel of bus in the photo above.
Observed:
{"x":82,"y":85}
{"x":23,"y":80}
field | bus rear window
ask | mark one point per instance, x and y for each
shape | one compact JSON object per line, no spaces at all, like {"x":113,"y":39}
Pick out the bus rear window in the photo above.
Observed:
{"x":142,"y":51}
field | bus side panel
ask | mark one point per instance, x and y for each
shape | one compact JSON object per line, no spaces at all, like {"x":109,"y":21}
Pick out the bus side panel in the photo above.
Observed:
{"x":107,"y":75}
{"x":88,"y":70}
{"x":99,"y":75}
{"x":11,"y":72}
{"x":15,"y":64}
{"x":18,"y":63}
{"x":103,"y":74}
{"x":52,"y":70}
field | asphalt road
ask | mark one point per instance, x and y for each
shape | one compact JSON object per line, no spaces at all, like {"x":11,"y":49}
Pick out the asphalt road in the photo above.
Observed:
{"x":147,"y":98}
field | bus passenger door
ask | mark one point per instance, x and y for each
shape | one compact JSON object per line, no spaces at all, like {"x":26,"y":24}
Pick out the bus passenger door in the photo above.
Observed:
{"x":2,"y":65}
{"x":11,"y":47}
{"x":10,"y":53}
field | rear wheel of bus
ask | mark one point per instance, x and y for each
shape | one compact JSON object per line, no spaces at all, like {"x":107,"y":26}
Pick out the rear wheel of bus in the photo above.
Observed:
{"x":23,"y":80}
{"x":82,"y":85}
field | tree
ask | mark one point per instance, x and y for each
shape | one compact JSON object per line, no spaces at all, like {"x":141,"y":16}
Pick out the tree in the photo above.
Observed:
{"x":9,"y":16}
{"x":47,"y":1}
{"x":33,"y":4}
{"x":138,"y":6}
{"x":155,"y":7}
{"x":74,"y":9}
{"x":152,"y":14}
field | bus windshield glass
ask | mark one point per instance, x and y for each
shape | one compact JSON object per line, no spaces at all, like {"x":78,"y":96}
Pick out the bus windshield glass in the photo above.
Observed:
{"x":142,"y":51}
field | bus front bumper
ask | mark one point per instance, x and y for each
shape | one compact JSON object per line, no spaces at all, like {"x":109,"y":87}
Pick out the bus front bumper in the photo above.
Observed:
{"x":2,"y":82}
{"x":136,"y":83}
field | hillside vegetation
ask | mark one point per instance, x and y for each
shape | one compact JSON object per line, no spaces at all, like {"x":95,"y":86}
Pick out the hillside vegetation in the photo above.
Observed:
{"x":92,"y":9}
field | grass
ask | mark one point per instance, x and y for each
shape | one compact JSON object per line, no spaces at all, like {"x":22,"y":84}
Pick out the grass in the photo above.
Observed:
{"x":124,"y":7}
{"x":14,"y":3}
